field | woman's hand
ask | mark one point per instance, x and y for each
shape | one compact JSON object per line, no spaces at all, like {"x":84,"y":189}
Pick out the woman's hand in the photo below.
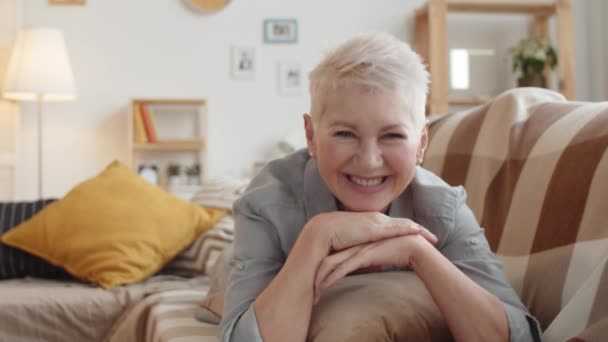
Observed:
{"x":341,"y":230}
{"x":394,"y":251}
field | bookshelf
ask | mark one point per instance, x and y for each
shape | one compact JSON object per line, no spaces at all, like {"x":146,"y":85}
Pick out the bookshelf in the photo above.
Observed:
{"x":431,"y":40}
{"x":169,"y":132}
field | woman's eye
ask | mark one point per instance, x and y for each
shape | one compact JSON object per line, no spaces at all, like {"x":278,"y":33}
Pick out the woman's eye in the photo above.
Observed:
{"x":344,"y":134}
{"x":394,"y":136}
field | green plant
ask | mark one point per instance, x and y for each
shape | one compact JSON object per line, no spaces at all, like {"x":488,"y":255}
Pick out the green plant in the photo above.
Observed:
{"x":194,"y":170}
{"x":173,"y":169}
{"x":532,"y":55}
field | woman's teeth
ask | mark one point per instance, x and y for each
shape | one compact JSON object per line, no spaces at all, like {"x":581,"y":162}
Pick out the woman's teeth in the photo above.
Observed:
{"x":366,"y":182}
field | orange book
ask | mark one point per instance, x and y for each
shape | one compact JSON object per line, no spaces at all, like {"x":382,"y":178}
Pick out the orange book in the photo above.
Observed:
{"x":140,"y":131}
{"x":148,"y":124}
{"x":152,"y":121}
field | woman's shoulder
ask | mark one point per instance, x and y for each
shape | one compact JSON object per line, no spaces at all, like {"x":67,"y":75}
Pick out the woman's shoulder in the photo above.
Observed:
{"x":280,"y":182}
{"x":432,"y":196}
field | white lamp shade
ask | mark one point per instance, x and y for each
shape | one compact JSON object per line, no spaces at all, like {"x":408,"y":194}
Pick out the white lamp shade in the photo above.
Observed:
{"x":39,"y":67}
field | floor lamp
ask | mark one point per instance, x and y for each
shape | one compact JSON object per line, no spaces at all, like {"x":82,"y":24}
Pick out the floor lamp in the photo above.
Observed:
{"x":39,"y":70}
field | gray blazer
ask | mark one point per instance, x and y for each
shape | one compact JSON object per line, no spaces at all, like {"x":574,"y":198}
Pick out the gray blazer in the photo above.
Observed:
{"x":288,"y":192}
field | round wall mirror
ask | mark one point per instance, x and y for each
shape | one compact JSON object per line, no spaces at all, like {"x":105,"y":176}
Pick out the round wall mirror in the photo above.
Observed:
{"x":207,"y":6}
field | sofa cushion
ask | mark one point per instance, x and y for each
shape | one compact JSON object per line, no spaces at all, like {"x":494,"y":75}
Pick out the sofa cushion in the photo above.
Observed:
{"x":385,"y":306}
{"x":201,"y":256}
{"x":15,"y":263}
{"x":113,"y":229}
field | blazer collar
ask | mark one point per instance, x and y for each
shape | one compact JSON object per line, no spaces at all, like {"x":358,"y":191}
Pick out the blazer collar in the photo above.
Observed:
{"x":317,"y":197}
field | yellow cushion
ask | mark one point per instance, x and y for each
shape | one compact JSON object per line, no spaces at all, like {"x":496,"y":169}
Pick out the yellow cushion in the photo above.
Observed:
{"x":113,"y":229}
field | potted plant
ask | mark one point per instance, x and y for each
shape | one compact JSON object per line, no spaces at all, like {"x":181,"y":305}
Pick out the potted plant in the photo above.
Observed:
{"x":530,"y":58}
{"x":194,"y":174}
{"x":173,"y":174}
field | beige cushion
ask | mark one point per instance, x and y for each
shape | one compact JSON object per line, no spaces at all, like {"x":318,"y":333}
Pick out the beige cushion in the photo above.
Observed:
{"x":387,"y":306}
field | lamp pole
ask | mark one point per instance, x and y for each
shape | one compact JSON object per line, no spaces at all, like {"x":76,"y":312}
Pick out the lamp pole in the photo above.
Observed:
{"x":40,"y":170}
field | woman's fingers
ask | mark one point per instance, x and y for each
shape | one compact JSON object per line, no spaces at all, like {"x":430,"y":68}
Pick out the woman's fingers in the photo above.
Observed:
{"x":430,"y":237}
{"x":415,"y":228}
{"x":328,"y":264}
{"x":389,"y":252}
{"x":361,"y":259}
{"x":351,"y":229}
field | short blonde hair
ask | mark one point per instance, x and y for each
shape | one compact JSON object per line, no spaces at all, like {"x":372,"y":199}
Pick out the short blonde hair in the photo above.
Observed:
{"x":377,"y":61}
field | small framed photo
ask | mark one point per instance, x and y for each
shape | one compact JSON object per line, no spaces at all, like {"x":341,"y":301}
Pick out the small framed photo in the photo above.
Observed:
{"x":280,"y":31}
{"x":243,"y":63}
{"x":67,"y":2}
{"x":290,"y":78}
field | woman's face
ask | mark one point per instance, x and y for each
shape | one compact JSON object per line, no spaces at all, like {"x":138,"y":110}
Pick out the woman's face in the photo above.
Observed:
{"x":366,"y":146}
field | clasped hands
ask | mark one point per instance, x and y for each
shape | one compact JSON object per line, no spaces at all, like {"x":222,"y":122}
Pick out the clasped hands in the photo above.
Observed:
{"x":365,"y":241}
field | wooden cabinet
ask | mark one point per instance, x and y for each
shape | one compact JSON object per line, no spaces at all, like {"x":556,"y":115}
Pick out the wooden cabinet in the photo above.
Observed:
{"x":179,"y":138}
{"x":431,"y":40}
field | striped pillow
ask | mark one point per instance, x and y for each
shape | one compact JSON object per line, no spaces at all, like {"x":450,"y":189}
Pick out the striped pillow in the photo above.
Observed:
{"x":15,"y":263}
{"x":220,"y":193}
{"x":535,"y":169}
{"x":201,"y":256}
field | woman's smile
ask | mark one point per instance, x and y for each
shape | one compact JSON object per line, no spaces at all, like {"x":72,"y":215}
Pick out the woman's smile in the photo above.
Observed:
{"x":366,"y":185}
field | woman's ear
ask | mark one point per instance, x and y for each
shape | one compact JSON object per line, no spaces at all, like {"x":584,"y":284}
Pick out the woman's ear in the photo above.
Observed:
{"x":310,"y":134}
{"x":424,"y":140}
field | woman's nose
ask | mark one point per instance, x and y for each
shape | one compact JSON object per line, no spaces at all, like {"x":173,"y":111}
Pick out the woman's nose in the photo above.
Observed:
{"x":369,"y":155}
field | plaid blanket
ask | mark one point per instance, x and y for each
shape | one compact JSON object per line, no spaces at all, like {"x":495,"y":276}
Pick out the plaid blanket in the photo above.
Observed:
{"x":535,"y":168}
{"x":166,"y":314}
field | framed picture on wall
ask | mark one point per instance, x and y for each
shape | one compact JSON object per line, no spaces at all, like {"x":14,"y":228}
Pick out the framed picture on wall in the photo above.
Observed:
{"x":280,"y":31}
{"x":290,"y":78}
{"x":243,"y":63}
{"x":67,"y":2}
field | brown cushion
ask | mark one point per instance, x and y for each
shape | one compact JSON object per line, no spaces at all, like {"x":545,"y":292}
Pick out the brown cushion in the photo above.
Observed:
{"x":387,"y":306}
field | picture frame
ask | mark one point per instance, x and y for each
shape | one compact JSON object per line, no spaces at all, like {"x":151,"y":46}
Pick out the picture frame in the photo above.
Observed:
{"x":290,"y":78}
{"x":68,"y":2}
{"x":282,"y":31}
{"x":243,"y":62}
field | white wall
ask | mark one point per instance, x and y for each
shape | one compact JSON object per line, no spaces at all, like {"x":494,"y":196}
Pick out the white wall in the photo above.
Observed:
{"x":141,"y":48}
{"x":9,"y":111}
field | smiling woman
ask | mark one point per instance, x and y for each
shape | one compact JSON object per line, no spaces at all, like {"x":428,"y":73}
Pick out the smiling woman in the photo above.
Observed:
{"x":357,"y":200}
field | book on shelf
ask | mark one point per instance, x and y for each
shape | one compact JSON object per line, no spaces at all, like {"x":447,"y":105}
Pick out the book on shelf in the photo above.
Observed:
{"x":138,"y":123}
{"x":149,"y":124}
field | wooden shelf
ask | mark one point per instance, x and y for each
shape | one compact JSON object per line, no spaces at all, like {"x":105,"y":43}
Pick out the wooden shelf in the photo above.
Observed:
{"x":180,"y":126}
{"x":468,"y":101}
{"x":193,"y":145}
{"x":546,"y":7}
{"x":179,"y":102}
{"x":431,"y":40}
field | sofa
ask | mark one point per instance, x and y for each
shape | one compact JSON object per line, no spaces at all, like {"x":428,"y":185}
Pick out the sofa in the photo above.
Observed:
{"x":535,"y":168}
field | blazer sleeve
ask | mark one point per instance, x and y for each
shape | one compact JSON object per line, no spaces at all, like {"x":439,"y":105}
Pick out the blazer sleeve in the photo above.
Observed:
{"x":257,"y":259}
{"x":467,"y":247}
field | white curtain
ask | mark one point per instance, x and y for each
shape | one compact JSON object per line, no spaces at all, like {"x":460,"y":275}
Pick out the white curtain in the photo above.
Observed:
{"x":597,"y":10}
